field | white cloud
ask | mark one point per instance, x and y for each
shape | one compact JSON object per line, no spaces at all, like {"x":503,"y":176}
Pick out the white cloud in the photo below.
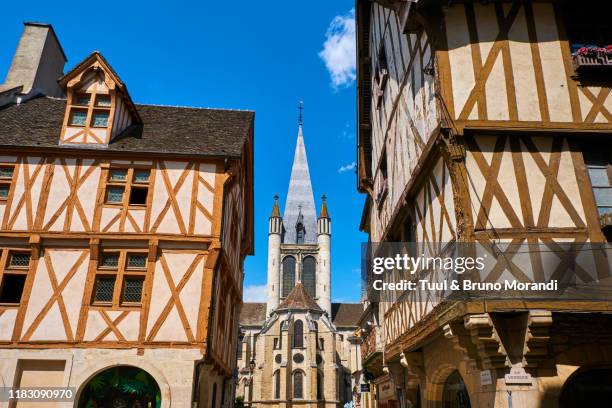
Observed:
{"x":347,"y":167}
{"x":256,"y":293}
{"x":339,"y":50}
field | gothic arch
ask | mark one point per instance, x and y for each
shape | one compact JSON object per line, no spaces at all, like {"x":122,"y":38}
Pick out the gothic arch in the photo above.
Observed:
{"x":434,"y":390}
{"x":298,"y":381}
{"x":298,"y":334}
{"x":309,"y":273}
{"x":288,"y":275}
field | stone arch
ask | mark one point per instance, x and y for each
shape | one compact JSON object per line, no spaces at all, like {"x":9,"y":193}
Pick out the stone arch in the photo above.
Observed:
{"x":80,"y":380}
{"x":434,"y":390}
{"x":587,"y":386}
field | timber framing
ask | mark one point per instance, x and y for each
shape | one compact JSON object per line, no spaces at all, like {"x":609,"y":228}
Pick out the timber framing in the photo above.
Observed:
{"x":481,"y":101}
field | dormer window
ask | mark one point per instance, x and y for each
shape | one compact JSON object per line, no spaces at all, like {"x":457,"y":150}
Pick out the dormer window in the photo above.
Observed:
{"x":98,"y":105}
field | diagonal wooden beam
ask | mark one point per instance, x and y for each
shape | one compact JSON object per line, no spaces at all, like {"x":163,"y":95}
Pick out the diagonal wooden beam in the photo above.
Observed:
{"x":481,"y":80}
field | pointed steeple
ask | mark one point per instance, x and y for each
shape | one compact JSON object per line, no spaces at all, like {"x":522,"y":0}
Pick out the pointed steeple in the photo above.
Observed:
{"x":275,"y":210}
{"x":300,"y":198}
{"x":324,"y":213}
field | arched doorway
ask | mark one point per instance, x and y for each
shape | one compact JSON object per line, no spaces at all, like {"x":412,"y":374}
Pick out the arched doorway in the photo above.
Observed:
{"x":588,"y":388}
{"x":455,"y":393}
{"x":121,"y":387}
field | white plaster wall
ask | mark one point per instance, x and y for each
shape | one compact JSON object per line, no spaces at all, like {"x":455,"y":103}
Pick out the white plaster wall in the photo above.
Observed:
{"x":172,"y":369}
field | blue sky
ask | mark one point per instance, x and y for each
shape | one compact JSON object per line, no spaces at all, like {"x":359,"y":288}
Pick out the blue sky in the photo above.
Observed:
{"x":262,"y":56}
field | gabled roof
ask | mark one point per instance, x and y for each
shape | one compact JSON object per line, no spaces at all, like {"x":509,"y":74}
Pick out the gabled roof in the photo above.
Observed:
{"x":86,"y":62}
{"x":168,"y":130}
{"x":299,"y":299}
{"x":95,"y":58}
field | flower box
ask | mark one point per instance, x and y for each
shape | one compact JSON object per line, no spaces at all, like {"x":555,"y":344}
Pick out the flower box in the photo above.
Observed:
{"x":589,"y":58}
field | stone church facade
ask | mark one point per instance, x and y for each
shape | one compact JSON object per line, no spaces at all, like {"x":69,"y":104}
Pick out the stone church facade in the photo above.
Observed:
{"x":299,"y":348}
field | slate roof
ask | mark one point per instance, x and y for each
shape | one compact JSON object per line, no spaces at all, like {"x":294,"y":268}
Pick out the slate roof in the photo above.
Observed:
{"x":166,"y":129}
{"x":346,"y":314}
{"x":343,"y":314}
{"x":300,"y":199}
{"x":253,"y":314}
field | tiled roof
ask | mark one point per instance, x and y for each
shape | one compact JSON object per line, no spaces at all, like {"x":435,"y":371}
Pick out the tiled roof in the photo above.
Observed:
{"x":346,"y":314}
{"x":298,"y":298}
{"x":253,"y":314}
{"x":166,"y":129}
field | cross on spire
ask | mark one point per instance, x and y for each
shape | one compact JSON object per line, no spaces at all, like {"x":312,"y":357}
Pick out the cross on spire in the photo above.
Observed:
{"x":300,"y":108}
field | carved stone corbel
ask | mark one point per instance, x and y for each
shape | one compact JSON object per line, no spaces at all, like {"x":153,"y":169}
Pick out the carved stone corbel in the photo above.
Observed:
{"x":484,"y":337}
{"x":538,"y":337}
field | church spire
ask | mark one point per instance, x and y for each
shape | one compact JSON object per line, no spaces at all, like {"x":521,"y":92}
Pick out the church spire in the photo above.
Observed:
{"x":300,"y":198}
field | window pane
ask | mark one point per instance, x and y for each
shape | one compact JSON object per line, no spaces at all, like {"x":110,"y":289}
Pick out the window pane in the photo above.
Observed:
{"x":298,"y":334}
{"x":138,"y":196}
{"x":6,"y":172}
{"x":604,"y":210}
{"x":100,"y":119}
{"x":297,"y":385}
{"x":4,"y":190}
{"x":603,"y":196}
{"x":138,"y":261}
{"x":103,"y":100}
{"x":105,"y":287}
{"x":288,"y":275}
{"x":11,"y":288}
{"x":599,"y":176}
{"x":19,"y":260}
{"x":114,"y":195}
{"x":132,"y":289}
{"x":141,"y":176}
{"x":118,"y":175}
{"x":308,"y":275}
{"x":82,"y":99}
{"x":78,"y":118}
{"x":110,"y":261}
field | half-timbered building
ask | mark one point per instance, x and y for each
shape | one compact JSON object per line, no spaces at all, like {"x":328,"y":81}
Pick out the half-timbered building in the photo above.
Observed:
{"x":487,"y":122}
{"x":123,"y":230}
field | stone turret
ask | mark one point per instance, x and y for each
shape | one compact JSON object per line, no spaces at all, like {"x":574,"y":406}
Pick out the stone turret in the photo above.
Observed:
{"x":324,"y":263}
{"x":275,"y":232}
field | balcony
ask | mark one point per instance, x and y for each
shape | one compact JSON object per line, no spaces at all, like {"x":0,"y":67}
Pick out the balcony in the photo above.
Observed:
{"x":371,"y":345}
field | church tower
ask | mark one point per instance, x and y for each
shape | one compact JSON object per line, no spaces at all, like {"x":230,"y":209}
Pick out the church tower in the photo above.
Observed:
{"x":298,"y":348}
{"x":298,"y":242}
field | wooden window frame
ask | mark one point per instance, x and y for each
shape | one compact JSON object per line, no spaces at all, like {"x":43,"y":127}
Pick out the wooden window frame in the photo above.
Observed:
{"x":121,"y":274}
{"x":7,"y":181}
{"x":127,"y":186}
{"x":7,"y":269}
{"x":91,"y":108}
